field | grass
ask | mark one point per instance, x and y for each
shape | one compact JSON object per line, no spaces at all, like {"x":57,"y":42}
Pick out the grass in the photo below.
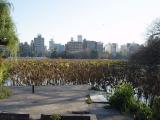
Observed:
{"x":5,"y":92}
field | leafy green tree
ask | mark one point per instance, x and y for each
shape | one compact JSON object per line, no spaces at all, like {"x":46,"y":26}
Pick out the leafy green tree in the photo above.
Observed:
{"x":8,"y":36}
{"x":156,"y":108}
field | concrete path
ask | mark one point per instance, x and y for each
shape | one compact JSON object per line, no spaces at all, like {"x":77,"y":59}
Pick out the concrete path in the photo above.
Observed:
{"x":54,"y":99}
{"x":46,"y":100}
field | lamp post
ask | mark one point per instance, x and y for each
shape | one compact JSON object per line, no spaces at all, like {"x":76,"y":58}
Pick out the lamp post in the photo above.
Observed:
{"x":33,"y":87}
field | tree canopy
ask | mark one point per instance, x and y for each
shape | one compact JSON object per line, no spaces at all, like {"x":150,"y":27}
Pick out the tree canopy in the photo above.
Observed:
{"x":149,"y":54}
{"x":8,"y":36}
{"x":147,"y":61}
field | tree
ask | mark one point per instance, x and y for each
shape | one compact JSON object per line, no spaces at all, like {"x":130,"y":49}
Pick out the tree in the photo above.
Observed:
{"x":93,"y":54}
{"x":153,"y":28}
{"x":53,"y":54}
{"x":8,"y":36}
{"x":150,"y":53}
{"x":148,"y":57}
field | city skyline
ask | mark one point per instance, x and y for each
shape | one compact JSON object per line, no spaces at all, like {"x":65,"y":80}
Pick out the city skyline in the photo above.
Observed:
{"x":82,"y":49}
{"x":76,"y":39}
{"x":104,"y":21}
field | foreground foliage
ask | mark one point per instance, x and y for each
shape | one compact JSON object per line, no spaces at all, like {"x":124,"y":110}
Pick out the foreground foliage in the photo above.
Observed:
{"x":8,"y":37}
{"x":55,"y":117}
{"x":156,"y":108}
{"x":123,"y":99}
{"x":4,"y":92}
{"x":88,"y":100}
{"x":4,"y":68}
{"x":61,"y":72}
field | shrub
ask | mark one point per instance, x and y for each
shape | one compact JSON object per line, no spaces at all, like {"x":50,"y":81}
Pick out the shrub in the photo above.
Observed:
{"x":4,"y":92}
{"x":143,"y":112}
{"x":156,"y":108}
{"x":55,"y":117}
{"x":123,"y":100}
{"x":122,"y":97}
{"x":88,"y":100}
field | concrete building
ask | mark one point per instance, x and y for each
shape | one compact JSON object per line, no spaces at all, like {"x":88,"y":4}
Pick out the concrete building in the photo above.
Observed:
{"x":107,"y":48}
{"x":99,"y":47}
{"x":59,"y":48}
{"x":39,"y":46}
{"x":51,"y":45}
{"x":72,"y":39}
{"x":111,"y":48}
{"x":32,"y":49}
{"x":55,"y":47}
{"x":24,"y":49}
{"x":114,"y":49}
{"x":128,"y":49}
{"x":89,"y":45}
{"x":3,"y":51}
{"x":74,"y":46}
{"x":123,"y":50}
{"x":133,"y":48}
{"x":79,"y":38}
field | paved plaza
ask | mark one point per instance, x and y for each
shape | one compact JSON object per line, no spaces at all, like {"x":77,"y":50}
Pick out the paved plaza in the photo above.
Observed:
{"x":54,"y":99}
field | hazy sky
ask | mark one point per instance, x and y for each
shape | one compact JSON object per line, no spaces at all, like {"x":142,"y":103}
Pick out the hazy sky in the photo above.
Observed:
{"x":118,"y":21}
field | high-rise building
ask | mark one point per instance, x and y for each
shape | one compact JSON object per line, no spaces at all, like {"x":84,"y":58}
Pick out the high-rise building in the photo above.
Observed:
{"x":51,"y":45}
{"x":114,"y":49}
{"x":32,"y":49}
{"x":55,"y":47}
{"x":128,"y":49}
{"x":74,"y":46}
{"x":79,"y":38}
{"x":59,"y":48}
{"x":111,"y":48}
{"x":108,"y":48}
{"x":100,"y":49}
{"x":72,"y":39}
{"x":4,"y":51}
{"x":133,"y":48}
{"x":24,"y":49}
{"x":89,"y":45}
{"x":123,"y":50}
{"x":39,"y":46}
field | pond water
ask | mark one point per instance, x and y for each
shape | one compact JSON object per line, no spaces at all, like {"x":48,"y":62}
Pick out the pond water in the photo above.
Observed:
{"x":8,"y":83}
{"x":99,"y":98}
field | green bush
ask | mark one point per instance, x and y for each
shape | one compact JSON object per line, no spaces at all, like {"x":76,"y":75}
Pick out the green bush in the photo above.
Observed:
{"x":88,"y":100}
{"x":4,"y":92}
{"x":55,"y":117}
{"x":143,"y":112}
{"x":123,"y":100}
{"x":122,"y":97}
{"x":156,"y":108}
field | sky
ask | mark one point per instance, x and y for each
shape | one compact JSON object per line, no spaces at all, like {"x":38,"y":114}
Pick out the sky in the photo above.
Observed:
{"x":119,"y":21}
